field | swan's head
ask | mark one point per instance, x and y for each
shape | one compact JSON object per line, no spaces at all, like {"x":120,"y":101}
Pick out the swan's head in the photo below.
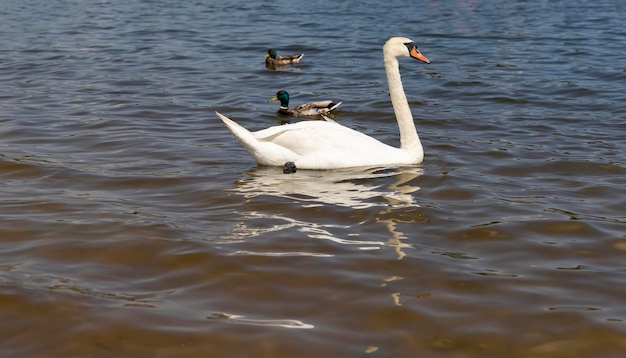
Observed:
{"x":403,"y":47}
{"x":271,"y":53}
{"x":281,"y":96}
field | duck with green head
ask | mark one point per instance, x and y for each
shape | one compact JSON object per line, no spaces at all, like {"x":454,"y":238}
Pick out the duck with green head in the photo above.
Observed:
{"x":312,"y":109}
{"x":272,"y":60}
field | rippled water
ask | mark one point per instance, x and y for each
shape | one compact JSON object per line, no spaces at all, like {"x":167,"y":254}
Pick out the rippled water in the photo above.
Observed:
{"x":133,"y":224}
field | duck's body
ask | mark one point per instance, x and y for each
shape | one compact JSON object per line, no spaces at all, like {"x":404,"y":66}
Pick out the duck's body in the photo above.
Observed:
{"x":272,"y":59}
{"x":329,"y":145}
{"x":311,"y":109}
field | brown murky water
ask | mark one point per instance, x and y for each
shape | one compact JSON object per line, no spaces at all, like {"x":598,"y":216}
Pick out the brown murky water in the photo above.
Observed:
{"x":132,"y":224}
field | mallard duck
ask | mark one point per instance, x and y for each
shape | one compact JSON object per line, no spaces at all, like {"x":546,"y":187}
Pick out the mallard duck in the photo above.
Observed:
{"x":272,"y":60}
{"x":313,"y":109}
{"x":330,"y":145}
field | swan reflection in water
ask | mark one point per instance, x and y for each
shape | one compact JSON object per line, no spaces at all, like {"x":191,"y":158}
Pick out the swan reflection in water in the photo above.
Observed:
{"x":362,"y":188}
{"x":353,"y":188}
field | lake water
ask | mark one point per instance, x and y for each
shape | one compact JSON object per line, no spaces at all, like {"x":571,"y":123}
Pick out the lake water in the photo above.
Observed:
{"x":132,"y":224}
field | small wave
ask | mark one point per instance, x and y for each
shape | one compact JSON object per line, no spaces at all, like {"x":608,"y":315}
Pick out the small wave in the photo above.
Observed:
{"x":284,"y":323}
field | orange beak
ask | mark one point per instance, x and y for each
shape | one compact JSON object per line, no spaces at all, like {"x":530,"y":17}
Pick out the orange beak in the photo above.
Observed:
{"x":415,"y":53}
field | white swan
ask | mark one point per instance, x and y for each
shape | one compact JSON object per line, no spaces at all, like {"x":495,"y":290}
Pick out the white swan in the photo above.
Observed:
{"x":329,"y":145}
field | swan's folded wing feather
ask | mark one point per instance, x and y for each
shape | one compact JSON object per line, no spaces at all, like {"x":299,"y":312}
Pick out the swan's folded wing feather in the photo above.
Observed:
{"x":315,"y":136}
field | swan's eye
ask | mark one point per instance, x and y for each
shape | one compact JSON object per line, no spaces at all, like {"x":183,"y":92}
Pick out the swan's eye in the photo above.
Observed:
{"x":410,"y":45}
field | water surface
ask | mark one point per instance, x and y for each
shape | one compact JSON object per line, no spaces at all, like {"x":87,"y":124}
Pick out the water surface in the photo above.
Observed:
{"x":133,"y":224}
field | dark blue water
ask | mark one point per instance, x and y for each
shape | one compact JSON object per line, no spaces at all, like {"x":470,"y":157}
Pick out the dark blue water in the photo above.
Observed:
{"x":133,"y":224}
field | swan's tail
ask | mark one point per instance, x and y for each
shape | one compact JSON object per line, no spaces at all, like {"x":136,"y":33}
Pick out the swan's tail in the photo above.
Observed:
{"x":265,"y":152}
{"x":243,"y":135}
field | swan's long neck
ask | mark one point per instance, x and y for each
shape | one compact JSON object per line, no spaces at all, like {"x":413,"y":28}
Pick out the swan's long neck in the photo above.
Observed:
{"x":409,"y":140}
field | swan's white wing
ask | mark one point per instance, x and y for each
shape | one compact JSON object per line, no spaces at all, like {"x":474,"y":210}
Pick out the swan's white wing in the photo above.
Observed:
{"x":310,"y":136}
{"x":327,"y":145}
